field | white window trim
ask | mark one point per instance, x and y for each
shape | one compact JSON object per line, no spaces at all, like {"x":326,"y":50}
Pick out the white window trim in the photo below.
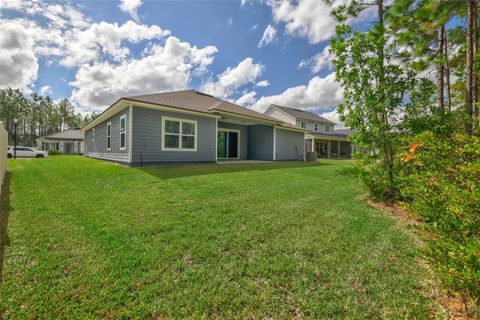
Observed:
{"x":125,"y":133}
{"x":180,"y":134}
{"x":317,"y":126}
{"x":109,"y":136}
{"x":239,"y":142}
{"x":327,"y":128}
{"x":301,"y":124}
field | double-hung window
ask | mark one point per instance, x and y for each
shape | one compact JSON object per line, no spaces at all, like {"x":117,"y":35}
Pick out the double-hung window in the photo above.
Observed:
{"x":179,"y":134}
{"x":123,"y":132}
{"x":303,"y":124}
{"x":109,"y":136}
{"x":327,"y":128}
{"x":316,"y":127}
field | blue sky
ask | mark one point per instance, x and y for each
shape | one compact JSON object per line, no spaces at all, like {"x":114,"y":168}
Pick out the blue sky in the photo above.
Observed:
{"x":93,"y":52}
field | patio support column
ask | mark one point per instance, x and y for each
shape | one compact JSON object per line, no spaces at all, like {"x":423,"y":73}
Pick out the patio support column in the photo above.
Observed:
{"x":338,"y":149}
{"x":328,"y":149}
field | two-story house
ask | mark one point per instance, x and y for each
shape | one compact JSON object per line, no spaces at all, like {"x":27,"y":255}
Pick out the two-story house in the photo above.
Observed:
{"x":321,"y":137}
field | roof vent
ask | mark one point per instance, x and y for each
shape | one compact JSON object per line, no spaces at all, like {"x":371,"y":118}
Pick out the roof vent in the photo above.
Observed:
{"x":203,"y":94}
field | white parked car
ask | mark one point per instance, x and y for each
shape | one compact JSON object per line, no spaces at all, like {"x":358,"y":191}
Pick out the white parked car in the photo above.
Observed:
{"x":26,"y":152}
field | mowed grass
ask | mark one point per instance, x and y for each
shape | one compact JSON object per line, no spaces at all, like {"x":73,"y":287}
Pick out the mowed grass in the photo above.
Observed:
{"x":92,"y":239}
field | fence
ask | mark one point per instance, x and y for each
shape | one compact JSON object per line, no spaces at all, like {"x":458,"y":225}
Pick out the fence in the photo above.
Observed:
{"x":3,"y":153}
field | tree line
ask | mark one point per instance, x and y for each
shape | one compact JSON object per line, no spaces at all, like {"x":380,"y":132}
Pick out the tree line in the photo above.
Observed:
{"x":37,"y":115}
{"x":411,"y":94}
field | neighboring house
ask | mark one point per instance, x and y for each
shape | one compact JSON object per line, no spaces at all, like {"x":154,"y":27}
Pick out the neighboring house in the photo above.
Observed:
{"x":188,"y":126}
{"x":68,"y":142}
{"x":321,"y":137}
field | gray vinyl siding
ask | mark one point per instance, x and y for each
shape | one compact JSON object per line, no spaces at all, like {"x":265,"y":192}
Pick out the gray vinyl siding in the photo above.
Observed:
{"x":260,"y":142}
{"x":97,"y":148}
{"x":147,"y":135}
{"x":311,"y":126}
{"x":243,"y":137}
{"x":289,"y":145}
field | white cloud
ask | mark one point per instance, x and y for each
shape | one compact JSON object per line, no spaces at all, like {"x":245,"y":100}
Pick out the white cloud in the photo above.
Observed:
{"x":88,"y":45}
{"x":334,"y":117}
{"x":310,"y":19}
{"x":247,"y":99}
{"x":45,"y":90}
{"x":254,"y":27}
{"x":18,"y":63}
{"x":229,"y":21}
{"x":163,"y":68}
{"x":263,"y":83}
{"x":319,"y":93}
{"x":232,"y":79}
{"x":318,"y":62}
{"x":268,"y":37}
{"x":131,"y":7}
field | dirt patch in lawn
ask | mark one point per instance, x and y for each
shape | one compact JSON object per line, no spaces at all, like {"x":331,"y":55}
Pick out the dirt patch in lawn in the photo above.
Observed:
{"x":4,"y":214}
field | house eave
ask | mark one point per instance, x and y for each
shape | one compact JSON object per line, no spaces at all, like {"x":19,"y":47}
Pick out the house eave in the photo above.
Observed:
{"x":124,"y":103}
{"x":259,"y":120}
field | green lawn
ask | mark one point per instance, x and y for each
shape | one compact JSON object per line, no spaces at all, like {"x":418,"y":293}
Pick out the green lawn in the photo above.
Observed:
{"x":91,"y":239}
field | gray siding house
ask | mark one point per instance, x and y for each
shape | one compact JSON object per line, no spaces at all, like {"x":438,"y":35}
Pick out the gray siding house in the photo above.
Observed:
{"x":321,"y":136}
{"x":188,"y":126}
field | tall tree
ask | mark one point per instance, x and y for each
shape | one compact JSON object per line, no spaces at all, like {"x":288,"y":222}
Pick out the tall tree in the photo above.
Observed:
{"x":469,"y":68}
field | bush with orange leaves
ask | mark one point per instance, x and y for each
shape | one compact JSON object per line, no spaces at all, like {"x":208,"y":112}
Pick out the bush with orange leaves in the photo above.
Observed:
{"x":441,"y":182}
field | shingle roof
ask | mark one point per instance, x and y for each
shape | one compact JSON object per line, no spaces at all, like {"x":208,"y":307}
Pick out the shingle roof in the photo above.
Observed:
{"x":303,"y":114}
{"x":66,"y":135}
{"x":346,"y":131}
{"x":200,"y":102}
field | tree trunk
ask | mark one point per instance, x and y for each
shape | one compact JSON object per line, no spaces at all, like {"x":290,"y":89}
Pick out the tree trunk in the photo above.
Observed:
{"x":475,"y":71}
{"x":447,"y":71}
{"x":469,"y":106}
{"x":440,"y":66}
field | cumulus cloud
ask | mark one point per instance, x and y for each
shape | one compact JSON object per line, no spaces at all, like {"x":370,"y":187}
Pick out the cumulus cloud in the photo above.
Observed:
{"x":268,"y":37}
{"x":131,"y":7}
{"x":232,"y":79}
{"x":163,"y":68}
{"x":107,"y":39}
{"x":263,"y":83}
{"x":319,"y":93}
{"x":98,"y":52}
{"x":318,"y":62}
{"x":45,"y":90}
{"x":18,"y":63}
{"x":334,"y":117}
{"x":310,"y":19}
{"x":247,"y":99}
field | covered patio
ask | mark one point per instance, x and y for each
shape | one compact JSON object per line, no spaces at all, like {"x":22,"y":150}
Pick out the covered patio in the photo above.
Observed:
{"x":330,"y":146}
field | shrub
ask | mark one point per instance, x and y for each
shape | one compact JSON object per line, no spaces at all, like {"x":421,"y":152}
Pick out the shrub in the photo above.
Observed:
{"x":441,"y":181}
{"x":53,"y":152}
{"x":374,"y":174}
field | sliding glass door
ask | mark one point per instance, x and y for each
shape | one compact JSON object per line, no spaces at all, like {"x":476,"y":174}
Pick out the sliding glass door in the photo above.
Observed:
{"x":228,"y":144}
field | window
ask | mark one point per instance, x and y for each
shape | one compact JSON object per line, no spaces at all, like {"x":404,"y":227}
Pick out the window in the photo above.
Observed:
{"x":303,"y":124}
{"x":123,"y":132}
{"x":179,"y":134}
{"x":316,"y":126}
{"x":327,"y":128}
{"x":109,"y":136}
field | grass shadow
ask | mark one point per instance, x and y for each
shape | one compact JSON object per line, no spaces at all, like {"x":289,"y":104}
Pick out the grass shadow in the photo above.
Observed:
{"x":5,"y":209}
{"x":174,"y":171}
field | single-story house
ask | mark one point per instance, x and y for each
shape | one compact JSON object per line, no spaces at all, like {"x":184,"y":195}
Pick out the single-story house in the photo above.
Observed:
{"x":68,"y":142}
{"x":322,"y":137}
{"x":188,"y":126}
